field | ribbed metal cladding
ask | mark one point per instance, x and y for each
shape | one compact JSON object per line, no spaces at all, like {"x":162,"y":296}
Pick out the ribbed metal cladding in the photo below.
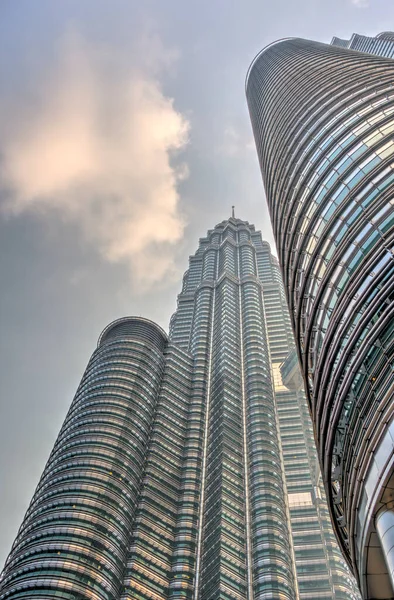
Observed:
{"x":323,"y":121}
{"x":243,"y":545}
{"x":75,"y":538}
{"x":154,"y":561}
{"x":137,"y":328}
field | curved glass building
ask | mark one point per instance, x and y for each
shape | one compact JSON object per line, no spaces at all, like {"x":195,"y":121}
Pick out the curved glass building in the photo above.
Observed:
{"x":75,"y":537}
{"x":323,"y":121}
{"x":185,"y":467}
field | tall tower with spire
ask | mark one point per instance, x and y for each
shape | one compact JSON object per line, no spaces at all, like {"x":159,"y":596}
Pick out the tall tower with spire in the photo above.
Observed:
{"x":183,"y":469}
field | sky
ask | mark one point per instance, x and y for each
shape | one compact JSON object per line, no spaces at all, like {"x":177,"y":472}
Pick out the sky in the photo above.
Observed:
{"x":124,"y":137}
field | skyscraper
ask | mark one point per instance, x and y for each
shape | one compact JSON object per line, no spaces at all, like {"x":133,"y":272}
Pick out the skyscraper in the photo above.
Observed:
{"x":168,"y":480}
{"x":323,"y":121}
{"x":381,"y":45}
{"x":321,"y":569}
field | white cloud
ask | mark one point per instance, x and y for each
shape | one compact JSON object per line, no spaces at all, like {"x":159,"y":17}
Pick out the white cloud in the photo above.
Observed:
{"x":97,"y":143}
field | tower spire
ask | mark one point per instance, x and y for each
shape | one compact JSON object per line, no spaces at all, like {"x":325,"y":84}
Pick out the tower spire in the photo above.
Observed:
{"x":233,"y":212}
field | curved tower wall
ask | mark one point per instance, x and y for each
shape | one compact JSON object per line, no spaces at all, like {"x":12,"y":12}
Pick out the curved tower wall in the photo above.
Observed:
{"x":75,"y":537}
{"x":163,"y":538}
{"x":323,"y":121}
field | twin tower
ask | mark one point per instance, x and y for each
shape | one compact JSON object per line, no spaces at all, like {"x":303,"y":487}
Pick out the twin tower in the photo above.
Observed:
{"x":186,"y":466}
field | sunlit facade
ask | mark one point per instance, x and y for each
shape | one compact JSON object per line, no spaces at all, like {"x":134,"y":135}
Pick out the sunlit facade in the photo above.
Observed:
{"x":185,"y":467}
{"x":323,"y":121}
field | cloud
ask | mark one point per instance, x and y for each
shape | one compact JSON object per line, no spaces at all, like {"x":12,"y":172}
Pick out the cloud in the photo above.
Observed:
{"x":360,"y":3}
{"x":99,"y":143}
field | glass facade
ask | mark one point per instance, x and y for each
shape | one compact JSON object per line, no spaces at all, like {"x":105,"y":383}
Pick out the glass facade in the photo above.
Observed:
{"x":185,"y":467}
{"x":322,"y":572}
{"x":323,"y":121}
{"x":75,"y":537}
{"x":243,"y":544}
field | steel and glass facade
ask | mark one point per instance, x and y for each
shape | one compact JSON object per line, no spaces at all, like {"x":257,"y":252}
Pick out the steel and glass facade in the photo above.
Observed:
{"x":323,"y":121}
{"x":184,"y":468}
{"x":381,"y":45}
{"x":322,"y":572}
{"x":243,"y":543}
{"x":75,"y":537}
